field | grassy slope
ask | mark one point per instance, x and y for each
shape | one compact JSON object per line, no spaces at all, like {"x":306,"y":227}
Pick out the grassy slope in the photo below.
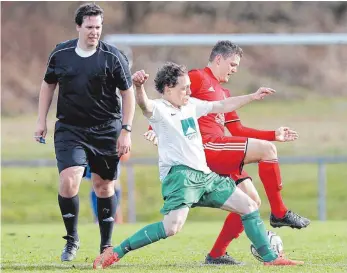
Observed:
{"x":26,"y":191}
{"x":320,"y":123}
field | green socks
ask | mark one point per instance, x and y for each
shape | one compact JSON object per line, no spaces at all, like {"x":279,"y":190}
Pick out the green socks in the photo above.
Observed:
{"x":256,"y":232}
{"x":254,"y":228}
{"x":148,"y":235}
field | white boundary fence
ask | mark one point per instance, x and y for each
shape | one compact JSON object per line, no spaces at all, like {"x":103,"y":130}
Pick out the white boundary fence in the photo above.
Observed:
{"x":240,"y":39}
{"x":321,"y":163}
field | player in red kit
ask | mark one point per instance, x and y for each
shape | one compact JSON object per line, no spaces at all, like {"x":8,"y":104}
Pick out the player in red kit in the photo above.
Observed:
{"x":226,"y":155}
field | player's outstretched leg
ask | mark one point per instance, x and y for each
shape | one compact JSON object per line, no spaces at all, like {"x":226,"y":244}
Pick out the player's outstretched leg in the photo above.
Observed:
{"x":150,"y":234}
{"x":256,"y":232}
{"x":255,"y":228}
{"x":232,"y":228}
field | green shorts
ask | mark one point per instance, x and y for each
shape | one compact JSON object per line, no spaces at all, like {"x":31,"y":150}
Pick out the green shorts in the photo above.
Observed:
{"x":186,"y":187}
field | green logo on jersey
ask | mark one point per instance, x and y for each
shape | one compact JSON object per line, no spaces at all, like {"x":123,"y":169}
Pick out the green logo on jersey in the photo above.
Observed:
{"x":188,"y":126}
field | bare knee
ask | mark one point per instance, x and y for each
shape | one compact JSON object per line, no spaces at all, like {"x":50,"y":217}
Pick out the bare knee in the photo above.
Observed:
{"x":269,"y":150}
{"x":103,"y":188}
{"x":172,"y":230}
{"x":258,"y":150}
{"x":257,"y":201}
{"x":70,"y":179}
{"x":255,"y":197}
{"x":173,"y":227}
{"x":251,"y":207}
{"x":247,"y":187}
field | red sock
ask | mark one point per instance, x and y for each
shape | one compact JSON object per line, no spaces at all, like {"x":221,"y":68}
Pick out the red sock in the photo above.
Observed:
{"x":270,"y":175}
{"x":232,"y":229}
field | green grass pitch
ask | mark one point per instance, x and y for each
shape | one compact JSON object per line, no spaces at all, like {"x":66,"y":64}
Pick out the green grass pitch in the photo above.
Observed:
{"x":37,"y":248}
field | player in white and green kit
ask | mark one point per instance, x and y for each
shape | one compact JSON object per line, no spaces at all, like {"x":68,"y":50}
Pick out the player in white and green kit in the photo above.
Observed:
{"x":187,"y":181}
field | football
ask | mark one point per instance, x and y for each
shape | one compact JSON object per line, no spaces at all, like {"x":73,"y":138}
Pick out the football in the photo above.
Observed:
{"x":275,"y":243}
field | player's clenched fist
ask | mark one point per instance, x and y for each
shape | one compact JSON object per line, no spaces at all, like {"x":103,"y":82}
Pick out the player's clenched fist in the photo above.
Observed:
{"x":262,"y":92}
{"x":139,"y":78}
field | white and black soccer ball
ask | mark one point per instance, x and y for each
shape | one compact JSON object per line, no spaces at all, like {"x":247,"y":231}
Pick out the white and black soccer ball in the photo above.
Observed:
{"x":275,"y":243}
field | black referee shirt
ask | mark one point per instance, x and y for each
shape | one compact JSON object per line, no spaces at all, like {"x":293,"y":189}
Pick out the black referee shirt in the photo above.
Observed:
{"x":87,"y":86}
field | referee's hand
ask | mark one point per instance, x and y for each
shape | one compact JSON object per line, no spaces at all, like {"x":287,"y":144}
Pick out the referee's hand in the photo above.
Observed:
{"x":40,"y":132}
{"x":124,"y":143}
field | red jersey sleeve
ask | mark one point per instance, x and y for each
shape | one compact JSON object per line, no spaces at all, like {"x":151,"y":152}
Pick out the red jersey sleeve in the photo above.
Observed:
{"x":196,"y":81}
{"x":235,"y":127}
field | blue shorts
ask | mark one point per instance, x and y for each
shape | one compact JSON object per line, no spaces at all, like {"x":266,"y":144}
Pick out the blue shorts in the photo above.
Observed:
{"x":88,"y":175}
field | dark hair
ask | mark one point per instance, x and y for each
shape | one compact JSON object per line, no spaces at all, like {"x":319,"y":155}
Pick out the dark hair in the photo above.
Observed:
{"x":226,"y":49}
{"x":168,"y":75}
{"x":89,"y":9}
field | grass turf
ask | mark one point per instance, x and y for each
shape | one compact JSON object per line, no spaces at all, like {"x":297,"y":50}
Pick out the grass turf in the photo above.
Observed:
{"x":37,"y":248}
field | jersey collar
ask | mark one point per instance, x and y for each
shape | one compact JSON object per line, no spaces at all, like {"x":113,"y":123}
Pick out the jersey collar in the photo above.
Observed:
{"x":167,"y":103}
{"x":209,"y":72}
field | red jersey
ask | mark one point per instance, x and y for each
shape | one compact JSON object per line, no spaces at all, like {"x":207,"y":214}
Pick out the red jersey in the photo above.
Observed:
{"x":205,"y":86}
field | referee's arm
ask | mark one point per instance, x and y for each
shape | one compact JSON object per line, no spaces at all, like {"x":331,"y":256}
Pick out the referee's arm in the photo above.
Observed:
{"x":45,"y":99}
{"x":124,"y":83}
{"x":48,"y":86}
{"x":128,"y":105}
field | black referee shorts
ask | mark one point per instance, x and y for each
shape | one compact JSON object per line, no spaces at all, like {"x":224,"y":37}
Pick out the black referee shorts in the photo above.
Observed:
{"x":97,"y":145}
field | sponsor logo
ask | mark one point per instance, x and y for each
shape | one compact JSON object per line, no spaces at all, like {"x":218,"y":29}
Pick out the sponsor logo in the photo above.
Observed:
{"x":188,"y":126}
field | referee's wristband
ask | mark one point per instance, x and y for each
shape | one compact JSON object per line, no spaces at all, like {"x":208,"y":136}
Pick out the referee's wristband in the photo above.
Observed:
{"x":126,"y":127}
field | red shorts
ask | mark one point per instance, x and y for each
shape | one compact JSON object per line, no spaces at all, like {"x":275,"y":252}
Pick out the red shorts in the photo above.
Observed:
{"x":225,"y":156}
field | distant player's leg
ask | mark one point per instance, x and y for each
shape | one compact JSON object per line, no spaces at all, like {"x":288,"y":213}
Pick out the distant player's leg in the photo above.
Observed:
{"x":265,"y":153}
{"x":118,"y":194}
{"x":71,"y":161}
{"x":93,"y":199}
{"x":172,"y":223}
{"x":94,"y":204}
{"x":232,"y":227}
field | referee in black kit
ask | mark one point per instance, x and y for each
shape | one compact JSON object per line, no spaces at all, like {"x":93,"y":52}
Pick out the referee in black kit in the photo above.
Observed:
{"x":94,"y":123}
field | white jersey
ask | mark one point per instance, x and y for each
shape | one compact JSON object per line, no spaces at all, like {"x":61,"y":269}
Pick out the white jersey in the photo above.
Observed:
{"x":179,"y":138}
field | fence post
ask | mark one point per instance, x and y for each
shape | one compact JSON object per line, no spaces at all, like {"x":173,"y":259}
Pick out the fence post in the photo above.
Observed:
{"x":322,"y":178}
{"x":131,"y":193}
